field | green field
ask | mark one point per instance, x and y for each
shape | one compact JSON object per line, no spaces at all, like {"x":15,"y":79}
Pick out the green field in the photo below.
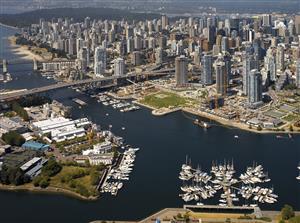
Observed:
{"x":164,"y":100}
{"x":78,"y":179}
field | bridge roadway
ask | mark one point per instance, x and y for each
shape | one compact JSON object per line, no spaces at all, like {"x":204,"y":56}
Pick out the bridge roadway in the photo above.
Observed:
{"x":15,"y":95}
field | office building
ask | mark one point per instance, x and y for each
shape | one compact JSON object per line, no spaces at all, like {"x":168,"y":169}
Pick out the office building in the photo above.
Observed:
{"x":249,"y":63}
{"x":255,"y":88}
{"x":221,"y":78}
{"x":181,"y":70}
{"x":206,"y":77}
{"x":298,"y":73}
{"x":119,"y":67}
{"x":100,"y":61}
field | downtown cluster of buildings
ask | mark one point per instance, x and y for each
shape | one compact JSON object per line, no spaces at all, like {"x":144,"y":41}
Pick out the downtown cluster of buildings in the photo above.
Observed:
{"x":236,"y":54}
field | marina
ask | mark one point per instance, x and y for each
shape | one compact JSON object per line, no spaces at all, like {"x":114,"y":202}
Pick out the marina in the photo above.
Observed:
{"x":199,"y":185}
{"x":113,"y":182}
{"x":120,"y":105}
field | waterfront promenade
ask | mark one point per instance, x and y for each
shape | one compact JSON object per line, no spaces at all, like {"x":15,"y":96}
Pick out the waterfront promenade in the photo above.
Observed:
{"x":168,"y":214}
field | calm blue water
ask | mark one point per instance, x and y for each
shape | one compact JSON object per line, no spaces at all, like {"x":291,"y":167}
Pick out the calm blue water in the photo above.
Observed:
{"x":164,"y":143}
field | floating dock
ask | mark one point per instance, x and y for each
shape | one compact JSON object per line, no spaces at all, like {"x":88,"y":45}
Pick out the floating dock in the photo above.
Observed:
{"x":78,"y":101}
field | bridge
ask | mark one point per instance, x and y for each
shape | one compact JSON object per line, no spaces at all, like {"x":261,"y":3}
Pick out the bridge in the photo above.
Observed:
{"x":5,"y":97}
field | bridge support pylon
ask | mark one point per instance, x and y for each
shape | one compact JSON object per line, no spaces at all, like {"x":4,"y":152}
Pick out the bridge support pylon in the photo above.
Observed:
{"x":35,"y":65}
{"x":4,"y":66}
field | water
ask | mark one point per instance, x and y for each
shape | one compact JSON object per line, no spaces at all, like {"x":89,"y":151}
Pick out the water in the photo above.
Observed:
{"x":154,"y":183}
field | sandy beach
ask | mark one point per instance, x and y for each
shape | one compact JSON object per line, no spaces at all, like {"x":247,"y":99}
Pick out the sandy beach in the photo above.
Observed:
{"x":24,"y":51}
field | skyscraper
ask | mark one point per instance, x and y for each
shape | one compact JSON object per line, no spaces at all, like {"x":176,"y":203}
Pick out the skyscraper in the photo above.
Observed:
{"x":119,"y":67}
{"x":221,"y":78}
{"x":164,"y":21}
{"x":255,"y":87}
{"x":206,"y":78}
{"x":270,"y":64}
{"x":181,"y":70}
{"x":280,"y":58}
{"x":100,"y":60}
{"x":267,"y":20}
{"x":99,"y":69}
{"x":158,"y":55}
{"x":83,"y":57}
{"x":71,"y":46}
{"x":297,"y":24}
{"x":249,"y":63}
{"x":197,"y":55}
{"x":79,"y":45}
{"x":298,"y":73}
{"x":136,"y":58}
{"x":224,"y":44}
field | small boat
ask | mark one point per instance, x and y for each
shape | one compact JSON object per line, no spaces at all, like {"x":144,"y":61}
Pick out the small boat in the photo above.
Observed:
{"x":202,"y":124}
{"x":123,"y":128}
{"x":279,"y":137}
{"x":236,"y":136}
{"x":290,"y":136}
{"x":107,"y":114}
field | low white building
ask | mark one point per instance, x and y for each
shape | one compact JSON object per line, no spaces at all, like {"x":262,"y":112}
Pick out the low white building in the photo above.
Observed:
{"x":100,"y":148}
{"x":61,"y":128}
{"x":105,"y":159}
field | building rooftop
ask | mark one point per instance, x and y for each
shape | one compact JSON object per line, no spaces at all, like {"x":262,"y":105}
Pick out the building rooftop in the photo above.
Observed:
{"x":31,"y":162}
{"x":35,"y":145}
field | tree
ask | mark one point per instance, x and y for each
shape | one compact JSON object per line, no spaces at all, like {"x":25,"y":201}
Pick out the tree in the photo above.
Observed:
{"x":294,"y":219}
{"x":44,"y":182}
{"x":16,"y":107}
{"x":287,"y":212}
{"x":51,"y":168}
{"x":36,"y":181}
{"x":13,"y":138}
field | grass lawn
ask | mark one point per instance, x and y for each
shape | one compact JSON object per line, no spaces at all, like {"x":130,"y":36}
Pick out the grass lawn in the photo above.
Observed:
{"x":74,"y":178}
{"x":291,"y":117}
{"x":164,"y":100}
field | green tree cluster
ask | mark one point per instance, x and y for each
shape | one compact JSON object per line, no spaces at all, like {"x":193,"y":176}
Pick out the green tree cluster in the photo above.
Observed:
{"x":16,"y":107}
{"x":51,"y":168}
{"x":13,"y":175}
{"x":41,"y":181}
{"x":13,"y":138}
{"x":287,"y":212}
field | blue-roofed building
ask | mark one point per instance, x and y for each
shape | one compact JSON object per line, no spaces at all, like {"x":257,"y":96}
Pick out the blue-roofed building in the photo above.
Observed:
{"x":35,"y":146}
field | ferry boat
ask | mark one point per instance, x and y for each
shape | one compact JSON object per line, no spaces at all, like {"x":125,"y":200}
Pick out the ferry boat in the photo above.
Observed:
{"x":202,"y":124}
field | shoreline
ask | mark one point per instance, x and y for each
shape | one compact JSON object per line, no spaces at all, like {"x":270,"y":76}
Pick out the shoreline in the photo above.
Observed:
{"x":49,"y":190}
{"x":234,"y":124}
{"x":223,"y":122}
{"x":23,"y":50}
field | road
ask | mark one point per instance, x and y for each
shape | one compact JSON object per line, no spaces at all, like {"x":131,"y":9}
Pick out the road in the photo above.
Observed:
{"x":15,"y":95}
